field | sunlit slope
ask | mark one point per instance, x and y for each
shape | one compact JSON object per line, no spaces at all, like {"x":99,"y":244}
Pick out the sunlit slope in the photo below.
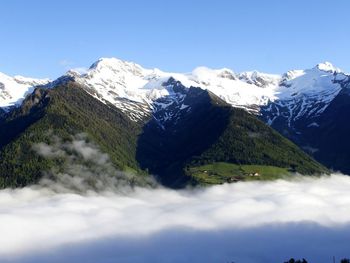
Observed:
{"x":62,"y":112}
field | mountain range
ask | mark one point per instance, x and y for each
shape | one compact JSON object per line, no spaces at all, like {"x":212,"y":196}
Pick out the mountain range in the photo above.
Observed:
{"x":171,"y":124}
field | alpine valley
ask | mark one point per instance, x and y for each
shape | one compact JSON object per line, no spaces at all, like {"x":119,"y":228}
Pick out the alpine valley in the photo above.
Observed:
{"x":204,"y":127}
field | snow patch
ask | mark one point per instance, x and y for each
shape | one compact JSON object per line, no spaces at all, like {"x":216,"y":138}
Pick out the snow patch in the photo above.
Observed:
{"x":13,"y":90}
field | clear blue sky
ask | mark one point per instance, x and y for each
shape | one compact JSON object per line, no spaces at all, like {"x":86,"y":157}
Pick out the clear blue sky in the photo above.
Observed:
{"x":44,"y":38}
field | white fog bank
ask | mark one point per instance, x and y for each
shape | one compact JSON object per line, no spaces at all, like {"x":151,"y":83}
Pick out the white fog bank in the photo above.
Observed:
{"x":241,"y":222}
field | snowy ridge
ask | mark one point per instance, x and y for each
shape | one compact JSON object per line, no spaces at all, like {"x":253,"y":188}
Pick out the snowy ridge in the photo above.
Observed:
{"x":328,"y":67}
{"x":245,"y":90}
{"x":169,"y":108}
{"x":14,"y":89}
{"x":305,"y":93}
{"x":141,"y":92}
{"x":136,"y":90}
{"x":126,"y":85}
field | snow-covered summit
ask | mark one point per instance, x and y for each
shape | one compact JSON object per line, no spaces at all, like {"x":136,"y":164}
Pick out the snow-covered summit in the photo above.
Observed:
{"x":14,"y":89}
{"x":260,"y":79}
{"x":315,"y":80}
{"x":306,"y":93}
{"x":125,"y":83}
{"x":328,"y":67}
{"x":114,"y":65}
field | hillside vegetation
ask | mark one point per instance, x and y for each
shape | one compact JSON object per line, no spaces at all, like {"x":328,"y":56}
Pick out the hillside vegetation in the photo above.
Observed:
{"x":63,"y":112}
{"x":210,"y":132}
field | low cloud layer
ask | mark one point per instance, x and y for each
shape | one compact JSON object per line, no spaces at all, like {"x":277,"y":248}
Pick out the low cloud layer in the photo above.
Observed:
{"x":241,"y":222}
{"x":83,"y":167}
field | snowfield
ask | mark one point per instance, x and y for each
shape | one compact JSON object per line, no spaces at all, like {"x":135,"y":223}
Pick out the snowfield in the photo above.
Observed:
{"x":135,"y":90}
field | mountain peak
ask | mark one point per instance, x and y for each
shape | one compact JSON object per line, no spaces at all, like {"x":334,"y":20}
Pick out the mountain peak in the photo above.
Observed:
{"x":328,"y":67}
{"x":206,"y":73}
{"x":103,"y":62}
{"x":14,"y":89}
{"x":115,"y":64}
{"x":259,"y":79}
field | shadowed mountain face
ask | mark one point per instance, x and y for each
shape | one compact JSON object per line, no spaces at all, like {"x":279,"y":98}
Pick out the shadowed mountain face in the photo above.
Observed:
{"x":203,"y":129}
{"x":330,"y":138}
{"x":325,"y":136}
{"x":16,"y":122}
{"x":165,"y":149}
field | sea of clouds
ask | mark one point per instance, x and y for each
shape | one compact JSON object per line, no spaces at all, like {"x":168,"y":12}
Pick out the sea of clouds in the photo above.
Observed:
{"x":88,"y":212}
{"x":241,"y":222}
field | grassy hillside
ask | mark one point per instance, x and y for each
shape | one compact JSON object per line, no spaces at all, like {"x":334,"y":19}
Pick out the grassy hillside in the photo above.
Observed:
{"x":247,"y":140}
{"x":217,"y":173}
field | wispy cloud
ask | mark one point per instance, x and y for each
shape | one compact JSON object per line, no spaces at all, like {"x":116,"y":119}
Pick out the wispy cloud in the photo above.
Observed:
{"x":83,"y":168}
{"x":80,"y":70}
{"x":66,"y":63}
{"x":71,"y":65}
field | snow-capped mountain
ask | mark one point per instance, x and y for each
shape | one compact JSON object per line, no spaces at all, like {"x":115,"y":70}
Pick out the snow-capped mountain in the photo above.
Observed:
{"x":304,"y":93}
{"x":298,"y":104}
{"x":14,"y":89}
{"x":139,"y":92}
{"x":126,"y":85}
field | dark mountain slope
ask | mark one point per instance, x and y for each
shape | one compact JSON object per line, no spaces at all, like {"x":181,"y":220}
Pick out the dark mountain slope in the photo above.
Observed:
{"x":332,"y":145}
{"x":324,"y":136}
{"x":210,"y":131}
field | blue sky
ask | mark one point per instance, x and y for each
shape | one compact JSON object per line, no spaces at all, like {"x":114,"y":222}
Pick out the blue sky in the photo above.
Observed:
{"x":44,"y":38}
